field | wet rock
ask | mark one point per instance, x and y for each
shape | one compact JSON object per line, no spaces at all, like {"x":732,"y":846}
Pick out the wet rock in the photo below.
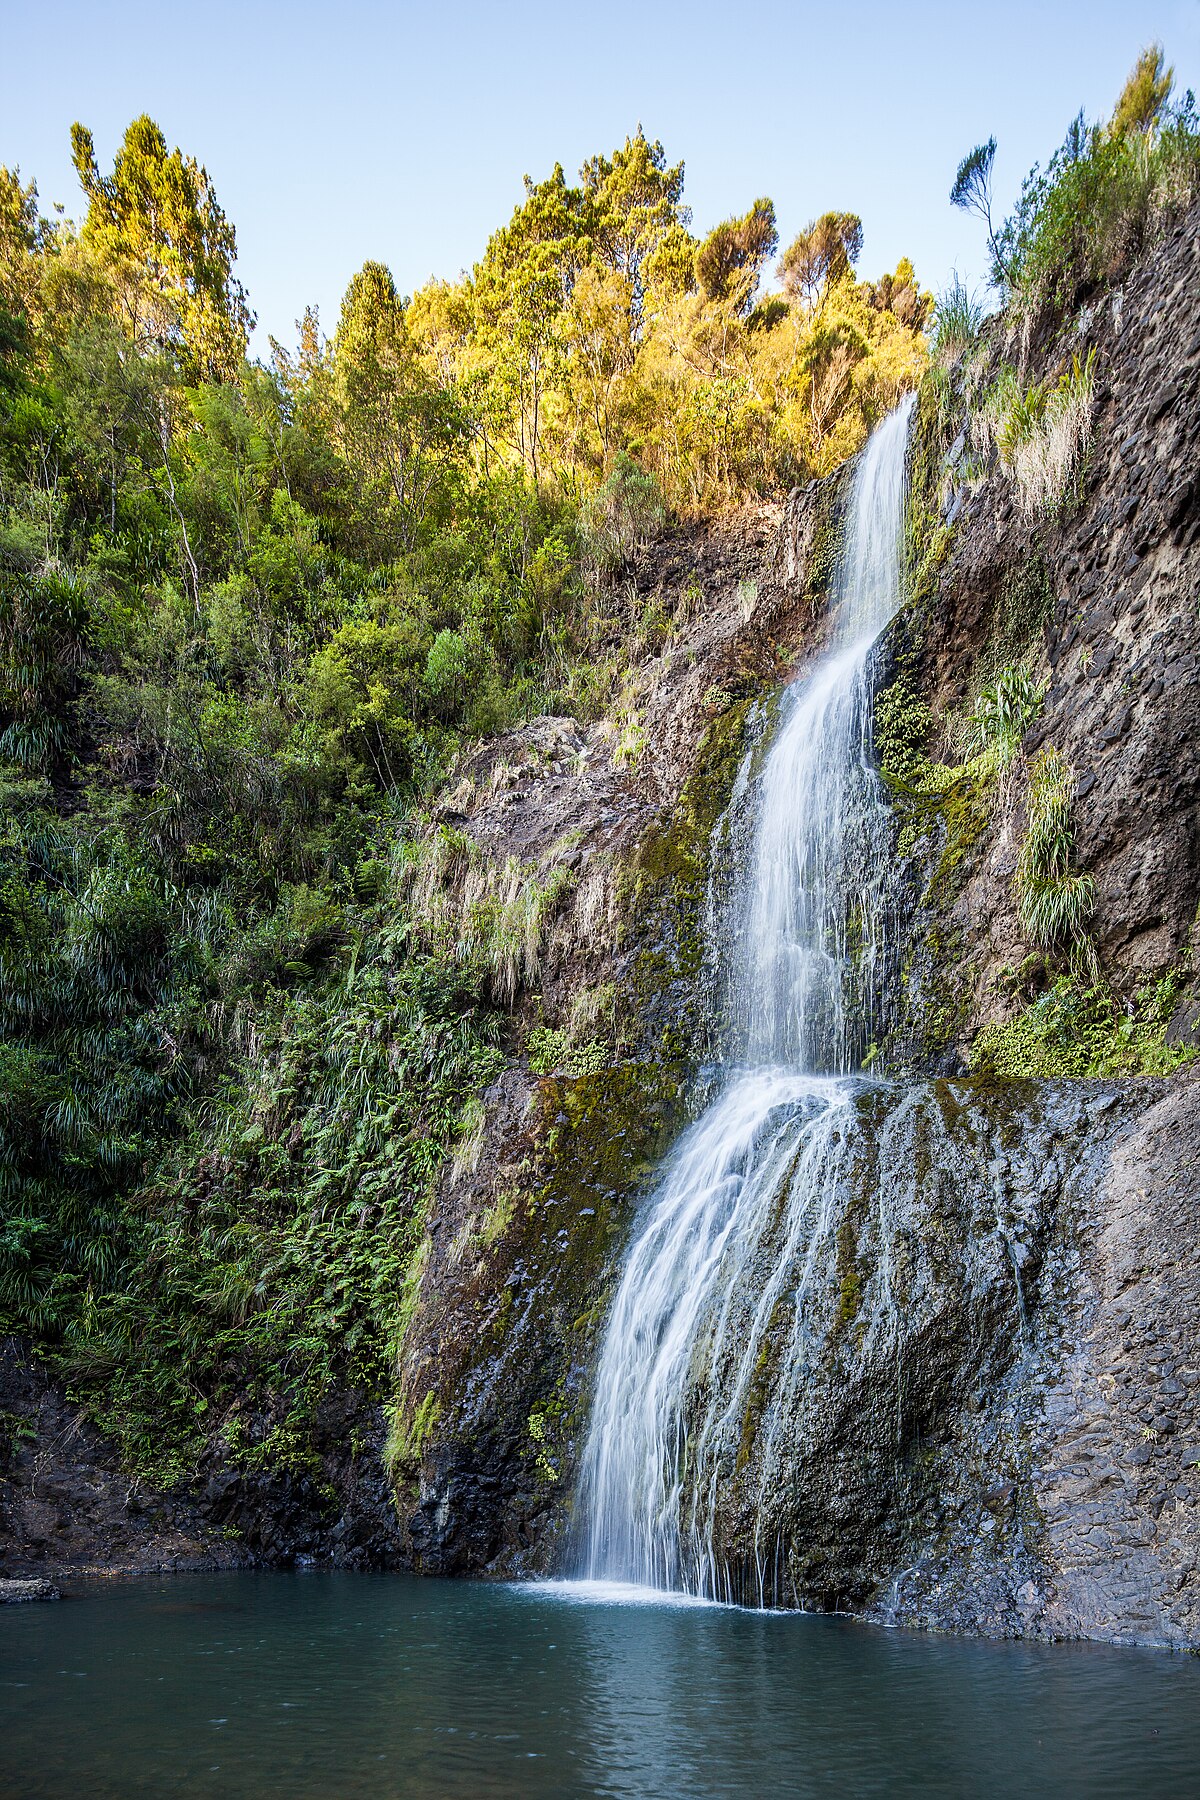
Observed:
{"x":14,"y":1592}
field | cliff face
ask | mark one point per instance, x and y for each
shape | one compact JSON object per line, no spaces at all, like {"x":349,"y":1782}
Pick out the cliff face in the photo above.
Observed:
{"x":1099,"y":599}
{"x":1033,"y":1470}
{"x":528,"y":1235}
{"x":997,"y":1431}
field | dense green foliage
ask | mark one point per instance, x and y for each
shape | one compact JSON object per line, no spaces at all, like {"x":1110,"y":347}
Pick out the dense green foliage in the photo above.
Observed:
{"x":1080,"y":1028}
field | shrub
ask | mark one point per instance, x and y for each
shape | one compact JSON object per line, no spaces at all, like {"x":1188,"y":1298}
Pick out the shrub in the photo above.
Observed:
{"x":957,"y":322}
{"x":1085,"y":1030}
{"x":505,"y":923}
{"x":1041,"y":432}
{"x":1045,"y":436}
{"x":553,"y":1052}
{"x":623,"y":515}
{"x":1002,"y":713}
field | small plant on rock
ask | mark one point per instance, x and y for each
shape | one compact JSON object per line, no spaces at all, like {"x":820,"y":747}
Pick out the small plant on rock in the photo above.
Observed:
{"x":1045,"y":434}
{"x":957,"y":323}
{"x":1055,"y":901}
{"x":1002,"y":713}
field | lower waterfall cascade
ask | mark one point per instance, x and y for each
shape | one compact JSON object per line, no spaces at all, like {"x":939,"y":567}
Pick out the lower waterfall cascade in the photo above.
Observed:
{"x":711,"y":1302}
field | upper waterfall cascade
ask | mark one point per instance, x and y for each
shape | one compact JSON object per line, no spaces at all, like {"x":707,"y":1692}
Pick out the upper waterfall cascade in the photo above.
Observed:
{"x":715,"y":1282}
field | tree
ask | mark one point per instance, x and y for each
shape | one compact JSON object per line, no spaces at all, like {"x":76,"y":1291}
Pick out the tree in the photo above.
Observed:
{"x":601,"y":351}
{"x":398,"y":426}
{"x":636,"y":200}
{"x":111,"y":402}
{"x":730,"y":260}
{"x":820,"y":255}
{"x":900,"y":295}
{"x":972,"y":192}
{"x":167,"y":248}
{"x":24,"y":238}
{"x":521,"y":289}
{"x":1144,"y":95}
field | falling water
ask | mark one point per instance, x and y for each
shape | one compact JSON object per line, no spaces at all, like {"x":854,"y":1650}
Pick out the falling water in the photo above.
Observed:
{"x":730,"y":1245}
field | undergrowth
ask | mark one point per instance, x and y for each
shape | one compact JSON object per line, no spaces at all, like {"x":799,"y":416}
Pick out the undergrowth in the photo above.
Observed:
{"x":1054,"y":900}
{"x":204,"y":1245}
{"x":1080,"y":1029}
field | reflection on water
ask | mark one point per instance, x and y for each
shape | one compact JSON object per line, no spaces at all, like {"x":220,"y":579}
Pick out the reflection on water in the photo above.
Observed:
{"x":249,"y":1687}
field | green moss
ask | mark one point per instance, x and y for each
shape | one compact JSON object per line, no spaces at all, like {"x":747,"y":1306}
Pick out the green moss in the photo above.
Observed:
{"x":762,"y":1380}
{"x":972,"y":1105}
{"x":591,"y":1146}
{"x":549,"y":1051}
{"x":541,"y":1425}
{"x":408,"y":1434}
{"x":849,"y":1280}
{"x":662,"y":893}
{"x":964,"y":807}
{"x":596,"y":1144}
{"x":946,"y":995}
{"x":1019,"y":617}
{"x":954,"y":803}
{"x":928,"y":539}
{"x":924,"y":581}
{"x":756,"y":1398}
{"x":601,"y":1131}
{"x":903,"y":721}
{"x":827,"y":542}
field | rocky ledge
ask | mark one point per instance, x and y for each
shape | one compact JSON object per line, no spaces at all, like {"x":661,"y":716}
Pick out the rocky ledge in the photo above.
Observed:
{"x":15,"y":1593}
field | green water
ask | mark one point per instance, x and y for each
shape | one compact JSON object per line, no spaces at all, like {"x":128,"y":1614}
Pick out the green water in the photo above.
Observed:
{"x":252,"y":1686}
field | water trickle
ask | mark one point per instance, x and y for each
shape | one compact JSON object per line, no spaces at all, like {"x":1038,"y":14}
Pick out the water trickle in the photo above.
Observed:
{"x":710,"y":1309}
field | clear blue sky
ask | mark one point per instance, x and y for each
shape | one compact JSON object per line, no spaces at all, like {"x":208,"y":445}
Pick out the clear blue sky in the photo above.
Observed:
{"x":358,"y":130}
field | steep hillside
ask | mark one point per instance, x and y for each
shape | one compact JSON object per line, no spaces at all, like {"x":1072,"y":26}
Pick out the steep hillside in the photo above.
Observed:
{"x":1094,"y":600}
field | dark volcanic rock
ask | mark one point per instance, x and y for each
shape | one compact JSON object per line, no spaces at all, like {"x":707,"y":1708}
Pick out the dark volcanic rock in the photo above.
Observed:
{"x":1120,"y":646}
{"x":64,"y":1503}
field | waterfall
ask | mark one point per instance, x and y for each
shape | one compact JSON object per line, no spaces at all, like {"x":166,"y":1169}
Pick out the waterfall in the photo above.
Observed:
{"x":711,"y":1303}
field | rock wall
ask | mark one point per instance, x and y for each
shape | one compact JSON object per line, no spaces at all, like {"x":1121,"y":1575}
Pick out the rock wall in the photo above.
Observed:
{"x":1108,"y":585}
{"x":1116,"y":1452}
{"x":66,"y":1503}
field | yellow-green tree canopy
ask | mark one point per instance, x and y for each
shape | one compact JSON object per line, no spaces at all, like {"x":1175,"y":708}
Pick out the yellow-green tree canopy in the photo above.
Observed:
{"x":819,"y":255}
{"x":24,"y":236}
{"x":636,"y":203}
{"x":156,"y":228}
{"x":731,"y":258}
{"x":1144,"y":95}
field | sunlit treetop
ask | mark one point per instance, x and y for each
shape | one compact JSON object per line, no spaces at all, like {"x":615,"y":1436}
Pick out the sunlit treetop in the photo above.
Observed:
{"x":1144,"y":95}
{"x":156,"y":228}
